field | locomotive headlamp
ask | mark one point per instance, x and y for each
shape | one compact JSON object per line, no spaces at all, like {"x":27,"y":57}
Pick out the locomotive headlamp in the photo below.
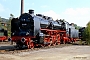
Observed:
{"x":23,"y":39}
{"x":13,"y":33}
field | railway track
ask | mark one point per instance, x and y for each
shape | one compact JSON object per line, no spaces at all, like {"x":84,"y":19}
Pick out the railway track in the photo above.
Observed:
{"x":6,"y":48}
{"x":14,"y":50}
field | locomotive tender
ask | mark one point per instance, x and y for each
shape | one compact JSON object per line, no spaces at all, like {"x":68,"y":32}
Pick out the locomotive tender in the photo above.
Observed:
{"x":34,"y":30}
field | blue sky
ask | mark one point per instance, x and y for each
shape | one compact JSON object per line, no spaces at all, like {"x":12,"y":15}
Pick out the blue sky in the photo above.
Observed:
{"x":73,"y":11}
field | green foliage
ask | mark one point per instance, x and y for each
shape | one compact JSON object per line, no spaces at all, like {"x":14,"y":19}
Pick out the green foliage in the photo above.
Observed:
{"x":77,"y":27}
{"x":2,"y":22}
{"x":86,"y":33}
{"x":9,"y":27}
{"x":9,"y":24}
{"x":11,"y":17}
{"x":0,"y":19}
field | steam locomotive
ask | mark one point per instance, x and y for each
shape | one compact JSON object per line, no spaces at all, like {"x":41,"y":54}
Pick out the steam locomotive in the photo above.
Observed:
{"x":81,"y":31}
{"x":38,"y":30}
{"x":3,"y":34}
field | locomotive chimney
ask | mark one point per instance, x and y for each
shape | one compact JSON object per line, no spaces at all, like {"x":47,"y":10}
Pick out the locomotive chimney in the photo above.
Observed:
{"x":31,"y":12}
{"x":22,"y":6}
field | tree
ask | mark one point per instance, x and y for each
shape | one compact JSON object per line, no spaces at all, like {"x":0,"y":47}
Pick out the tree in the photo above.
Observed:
{"x":86,"y":33}
{"x":77,"y":27}
{"x":9,"y":24}
{"x":11,"y":17}
{"x":0,"y":19}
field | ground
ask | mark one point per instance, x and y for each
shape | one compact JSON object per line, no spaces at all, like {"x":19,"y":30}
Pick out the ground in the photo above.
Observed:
{"x":73,"y":52}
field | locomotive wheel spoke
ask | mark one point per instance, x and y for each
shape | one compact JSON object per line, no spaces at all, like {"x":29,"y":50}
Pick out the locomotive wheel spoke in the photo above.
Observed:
{"x":31,"y":45}
{"x":50,"y":43}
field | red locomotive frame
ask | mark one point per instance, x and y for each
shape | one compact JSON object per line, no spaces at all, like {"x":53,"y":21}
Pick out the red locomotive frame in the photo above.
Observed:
{"x":53,"y":37}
